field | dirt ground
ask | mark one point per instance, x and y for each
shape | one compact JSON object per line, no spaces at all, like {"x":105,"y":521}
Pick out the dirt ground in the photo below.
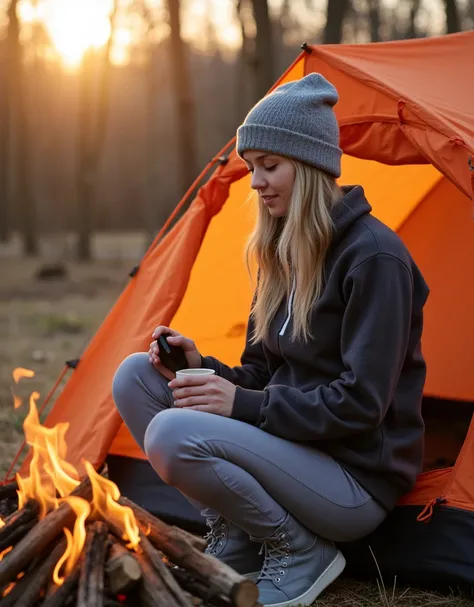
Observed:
{"x":44,"y":322}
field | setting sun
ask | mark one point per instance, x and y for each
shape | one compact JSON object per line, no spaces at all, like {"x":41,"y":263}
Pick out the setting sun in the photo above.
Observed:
{"x":77,"y":25}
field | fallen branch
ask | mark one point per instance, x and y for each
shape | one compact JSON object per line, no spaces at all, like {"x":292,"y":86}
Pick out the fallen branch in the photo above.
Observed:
{"x":91,"y":582}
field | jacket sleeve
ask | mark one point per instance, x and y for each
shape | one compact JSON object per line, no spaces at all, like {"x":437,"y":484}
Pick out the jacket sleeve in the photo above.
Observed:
{"x":252,"y":374}
{"x":374,"y":341}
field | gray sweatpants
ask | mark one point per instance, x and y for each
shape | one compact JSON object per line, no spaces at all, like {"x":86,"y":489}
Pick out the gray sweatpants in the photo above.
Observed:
{"x":249,"y":476}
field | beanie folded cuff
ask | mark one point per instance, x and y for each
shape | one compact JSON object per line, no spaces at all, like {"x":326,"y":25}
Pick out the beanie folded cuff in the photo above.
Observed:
{"x":298,"y":146}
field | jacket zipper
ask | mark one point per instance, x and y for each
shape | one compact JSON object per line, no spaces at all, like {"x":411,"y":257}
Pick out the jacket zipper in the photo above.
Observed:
{"x":290,"y":309}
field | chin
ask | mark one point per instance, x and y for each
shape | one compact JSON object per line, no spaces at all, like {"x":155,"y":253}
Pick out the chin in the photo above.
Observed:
{"x":277,"y":212}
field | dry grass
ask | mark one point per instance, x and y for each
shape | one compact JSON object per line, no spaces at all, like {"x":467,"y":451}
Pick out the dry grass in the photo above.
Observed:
{"x":43,"y":324}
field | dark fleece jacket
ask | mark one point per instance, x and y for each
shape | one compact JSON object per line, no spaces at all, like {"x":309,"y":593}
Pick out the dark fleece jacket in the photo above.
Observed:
{"x":354,"y":390}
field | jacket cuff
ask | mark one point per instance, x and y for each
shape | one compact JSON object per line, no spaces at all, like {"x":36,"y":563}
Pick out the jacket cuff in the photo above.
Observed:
{"x":247,"y":404}
{"x":207,"y":362}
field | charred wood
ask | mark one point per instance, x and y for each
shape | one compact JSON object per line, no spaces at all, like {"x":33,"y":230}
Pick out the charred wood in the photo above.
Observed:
{"x":18,"y":524}
{"x":91,"y":581}
{"x":41,"y":535}
{"x":58,"y":595}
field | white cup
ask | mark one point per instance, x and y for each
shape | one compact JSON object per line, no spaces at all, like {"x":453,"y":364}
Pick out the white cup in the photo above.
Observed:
{"x":194,"y":372}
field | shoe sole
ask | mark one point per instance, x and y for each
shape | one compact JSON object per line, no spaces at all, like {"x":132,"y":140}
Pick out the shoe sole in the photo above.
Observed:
{"x":331,"y":573}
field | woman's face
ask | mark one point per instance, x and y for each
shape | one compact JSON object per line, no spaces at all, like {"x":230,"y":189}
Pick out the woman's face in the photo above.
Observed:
{"x":273,"y":178}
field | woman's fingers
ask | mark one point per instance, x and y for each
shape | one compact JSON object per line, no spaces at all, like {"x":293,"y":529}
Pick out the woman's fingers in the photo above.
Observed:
{"x":189,"y":392}
{"x":192,"y":400}
{"x":162,"y":330}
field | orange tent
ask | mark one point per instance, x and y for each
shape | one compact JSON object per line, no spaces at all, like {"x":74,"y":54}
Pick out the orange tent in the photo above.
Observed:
{"x":406,"y":114}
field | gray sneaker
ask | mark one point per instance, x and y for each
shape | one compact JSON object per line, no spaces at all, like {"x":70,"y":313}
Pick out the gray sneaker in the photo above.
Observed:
{"x":232,"y":546}
{"x":298,"y":566}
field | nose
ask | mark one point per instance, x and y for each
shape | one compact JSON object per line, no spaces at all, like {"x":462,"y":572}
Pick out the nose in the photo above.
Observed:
{"x":258,"y":180}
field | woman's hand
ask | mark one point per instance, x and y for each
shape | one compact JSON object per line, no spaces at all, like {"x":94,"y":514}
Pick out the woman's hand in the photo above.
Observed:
{"x":174,"y":339}
{"x":208,"y":393}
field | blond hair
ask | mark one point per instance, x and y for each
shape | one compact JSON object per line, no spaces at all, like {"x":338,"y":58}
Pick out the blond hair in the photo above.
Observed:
{"x":291,"y":251}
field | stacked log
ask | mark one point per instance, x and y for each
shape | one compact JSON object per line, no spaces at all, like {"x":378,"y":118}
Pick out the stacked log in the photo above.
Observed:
{"x":168,"y":568}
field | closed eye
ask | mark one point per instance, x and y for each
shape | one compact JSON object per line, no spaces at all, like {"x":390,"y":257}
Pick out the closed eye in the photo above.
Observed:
{"x":272,"y":168}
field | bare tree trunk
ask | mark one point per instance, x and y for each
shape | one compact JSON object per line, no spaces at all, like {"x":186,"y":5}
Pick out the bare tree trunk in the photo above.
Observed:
{"x":336,"y":11}
{"x":412,"y":29}
{"x":243,"y":98}
{"x":185,"y":117}
{"x":85,"y":173}
{"x":263,"y":59}
{"x":5,"y":151}
{"x":374,"y":19}
{"x":91,"y":140}
{"x":453,"y":22}
{"x":22,"y":193}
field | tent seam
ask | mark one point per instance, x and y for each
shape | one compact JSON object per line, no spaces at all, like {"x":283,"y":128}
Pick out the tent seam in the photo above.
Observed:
{"x":378,"y":86}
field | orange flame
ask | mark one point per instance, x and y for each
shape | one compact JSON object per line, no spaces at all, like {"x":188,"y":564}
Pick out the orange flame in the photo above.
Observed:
{"x":75,"y":540}
{"x":52,"y":479}
{"x":105,"y":496}
{"x":2,"y":522}
{"x":49,"y":471}
{"x":18,"y":373}
{"x":6,"y":551}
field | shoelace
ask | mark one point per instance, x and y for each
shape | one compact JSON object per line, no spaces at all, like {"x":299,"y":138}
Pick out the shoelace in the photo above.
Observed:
{"x":275,"y":560}
{"x":217,"y":532}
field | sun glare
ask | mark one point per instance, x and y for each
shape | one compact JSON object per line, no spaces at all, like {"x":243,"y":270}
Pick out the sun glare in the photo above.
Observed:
{"x":76,"y":26}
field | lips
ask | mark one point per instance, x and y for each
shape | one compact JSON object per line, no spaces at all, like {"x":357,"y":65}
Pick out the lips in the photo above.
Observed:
{"x":268,"y":199}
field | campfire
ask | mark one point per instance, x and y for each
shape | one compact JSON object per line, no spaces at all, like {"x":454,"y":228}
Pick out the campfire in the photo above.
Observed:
{"x":67,"y":540}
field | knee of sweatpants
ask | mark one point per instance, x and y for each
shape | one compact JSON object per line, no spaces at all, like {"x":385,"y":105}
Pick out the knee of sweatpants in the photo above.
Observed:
{"x":124,"y":383}
{"x":168,"y":441}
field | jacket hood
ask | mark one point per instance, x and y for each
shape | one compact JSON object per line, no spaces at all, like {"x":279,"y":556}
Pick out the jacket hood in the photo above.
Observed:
{"x":349,"y":209}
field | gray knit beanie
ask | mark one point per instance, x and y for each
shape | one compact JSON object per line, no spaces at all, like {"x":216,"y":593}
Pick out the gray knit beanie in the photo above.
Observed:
{"x":296,"y":120}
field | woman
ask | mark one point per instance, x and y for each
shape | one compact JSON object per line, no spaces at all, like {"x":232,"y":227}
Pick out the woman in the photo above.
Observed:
{"x":317,"y":434}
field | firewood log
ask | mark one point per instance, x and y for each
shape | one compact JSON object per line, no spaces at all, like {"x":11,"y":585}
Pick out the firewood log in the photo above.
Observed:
{"x":58,"y":595}
{"x":198,"y":588}
{"x":91,"y":582}
{"x":219,"y":577}
{"x":27,"y":590}
{"x":162,"y":570}
{"x":154,"y":527}
{"x":8,"y":490}
{"x":122,"y":568}
{"x":175,"y":544}
{"x":153,"y":591}
{"x":41,"y":535}
{"x":18,"y":524}
{"x":40,"y":577}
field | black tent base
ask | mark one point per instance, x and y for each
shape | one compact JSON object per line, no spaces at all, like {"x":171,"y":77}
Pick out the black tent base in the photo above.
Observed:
{"x":137,"y":480}
{"x":437,"y":555}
